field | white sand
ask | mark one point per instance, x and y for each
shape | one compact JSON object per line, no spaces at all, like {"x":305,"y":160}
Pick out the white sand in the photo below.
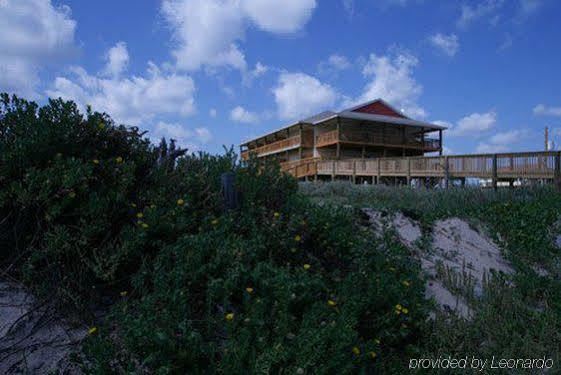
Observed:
{"x":33,"y":339}
{"x":456,"y":246}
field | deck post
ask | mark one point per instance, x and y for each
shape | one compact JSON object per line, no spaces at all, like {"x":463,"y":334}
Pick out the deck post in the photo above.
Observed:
{"x":408,"y":171}
{"x":354,"y":171}
{"x":379,"y":172}
{"x":440,"y":136}
{"x":446,"y":172}
{"x":333,"y":170}
{"x":494,"y":180}
{"x":338,"y":156}
{"x":558,"y":169}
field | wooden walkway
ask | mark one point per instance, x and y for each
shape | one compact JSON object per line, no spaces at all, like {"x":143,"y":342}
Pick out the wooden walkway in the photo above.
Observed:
{"x":505,"y":166}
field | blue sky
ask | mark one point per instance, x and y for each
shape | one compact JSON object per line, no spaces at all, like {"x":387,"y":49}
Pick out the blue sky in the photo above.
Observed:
{"x":216,"y":72}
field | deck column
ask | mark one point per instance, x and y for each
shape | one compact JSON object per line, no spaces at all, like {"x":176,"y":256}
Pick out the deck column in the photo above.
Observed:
{"x":338,"y":155}
{"x":300,"y":146}
{"x":408,"y":171}
{"x":379,"y":171}
{"x":333,"y":170}
{"x":440,"y":137}
{"x":494,"y":172}
{"x":558,"y":170}
{"x":354,"y":171}
{"x":446,"y":172}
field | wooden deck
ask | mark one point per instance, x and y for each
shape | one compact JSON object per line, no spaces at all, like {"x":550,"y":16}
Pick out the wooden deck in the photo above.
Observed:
{"x":376,"y":139}
{"x":507,"y":166}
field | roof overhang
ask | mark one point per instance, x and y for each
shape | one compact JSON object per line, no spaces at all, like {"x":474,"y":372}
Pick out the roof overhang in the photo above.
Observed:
{"x":389,"y":119}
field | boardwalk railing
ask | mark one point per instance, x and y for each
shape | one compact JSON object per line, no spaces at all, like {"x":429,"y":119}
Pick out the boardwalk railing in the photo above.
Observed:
{"x":545,"y":165}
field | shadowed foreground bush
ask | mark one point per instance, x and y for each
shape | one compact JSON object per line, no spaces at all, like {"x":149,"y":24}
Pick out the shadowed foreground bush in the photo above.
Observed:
{"x":89,"y":209}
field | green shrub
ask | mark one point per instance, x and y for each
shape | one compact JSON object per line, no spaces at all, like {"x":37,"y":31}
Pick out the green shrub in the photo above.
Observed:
{"x":90,"y":209}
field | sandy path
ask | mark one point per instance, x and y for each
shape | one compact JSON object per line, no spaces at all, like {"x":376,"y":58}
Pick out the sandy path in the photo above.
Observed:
{"x":33,"y":339}
{"x":456,"y":248}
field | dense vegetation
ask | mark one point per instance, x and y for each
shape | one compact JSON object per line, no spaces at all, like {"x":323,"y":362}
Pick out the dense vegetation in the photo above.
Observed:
{"x":289,"y":282}
{"x":516,"y":318}
{"x":91,"y":211}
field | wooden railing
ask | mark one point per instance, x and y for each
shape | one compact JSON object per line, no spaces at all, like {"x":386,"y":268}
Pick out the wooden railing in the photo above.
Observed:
{"x":272,"y":147}
{"x":507,"y":166}
{"x":326,"y":138}
{"x":376,"y":138}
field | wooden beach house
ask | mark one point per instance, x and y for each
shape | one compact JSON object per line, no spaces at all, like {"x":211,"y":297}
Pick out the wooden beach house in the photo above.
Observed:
{"x":375,"y":142}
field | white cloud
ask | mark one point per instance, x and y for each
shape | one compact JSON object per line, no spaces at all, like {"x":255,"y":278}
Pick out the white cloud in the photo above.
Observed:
{"x":300,"y":95}
{"x":502,"y":142}
{"x":212,"y":112}
{"x":475,"y":123}
{"x":528,"y":7}
{"x":392,"y":81}
{"x":184,"y":137}
{"x":349,"y":6}
{"x":257,"y":72}
{"x":117,"y":60}
{"x":203,"y":134}
{"x":473,"y":13}
{"x":34,"y":33}
{"x":279,"y":16}
{"x":207,"y":32}
{"x":448,"y":44}
{"x":240,"y":114}
{"x":333,"y":64}
{"x":542,"y":110}
{"x":133,"y":100}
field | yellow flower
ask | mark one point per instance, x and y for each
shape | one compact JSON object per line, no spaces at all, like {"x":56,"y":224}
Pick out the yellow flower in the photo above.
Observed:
{"x":133,"y":205}
{"x":372,"y":355}
{"x":276,"y":214}
{"x":297,"y":238}
{"x":398,"y":307}
{"x":397,"y":312}
{"x":123,"y":293}
{"x":249,"y":289}
{"x":392,"y":269}
{"x":405,"y":311}
{"x":92,"y":330}
{"x":119,"y":159}
{"x":101,"y":125}
{"x":331,"y":302}
{"x":180,"y":202}
{"x":356,"y":351}
{"x":140,"y":215}
{"x":229,"y":316}
{"x":307,"y":266}
{"x":72,"y":194}
{"x":152,"y":206}
{"x":144,"y":225}
{"x":214,"y":222}
{"x":95,"y":161}
{"x":377,"y":341}
{"x":406,"y":283}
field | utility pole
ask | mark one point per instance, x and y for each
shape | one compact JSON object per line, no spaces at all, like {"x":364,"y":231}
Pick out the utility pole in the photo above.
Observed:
{"x":546,"y":139}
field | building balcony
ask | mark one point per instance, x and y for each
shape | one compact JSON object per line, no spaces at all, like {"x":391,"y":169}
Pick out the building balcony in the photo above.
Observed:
{"x":376,"y":139}
{"x":274,"y":147}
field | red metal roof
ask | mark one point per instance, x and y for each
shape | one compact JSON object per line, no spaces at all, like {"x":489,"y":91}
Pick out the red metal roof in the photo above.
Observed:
{"x":379,"y":108}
